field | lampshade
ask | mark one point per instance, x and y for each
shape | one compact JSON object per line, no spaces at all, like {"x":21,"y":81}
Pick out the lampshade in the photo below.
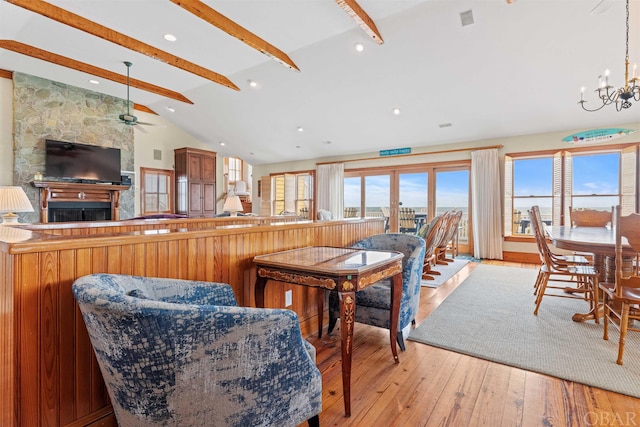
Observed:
{"x":13,"y":199}
{"x":232,"y":204}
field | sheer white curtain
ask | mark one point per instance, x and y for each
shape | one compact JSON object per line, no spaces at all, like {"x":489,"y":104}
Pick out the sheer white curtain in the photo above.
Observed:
{"x":487,"y":211}
{"x":330,"y":185}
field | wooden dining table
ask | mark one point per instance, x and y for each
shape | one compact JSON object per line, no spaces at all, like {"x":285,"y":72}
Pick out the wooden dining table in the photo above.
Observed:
{"x":599,"y":241}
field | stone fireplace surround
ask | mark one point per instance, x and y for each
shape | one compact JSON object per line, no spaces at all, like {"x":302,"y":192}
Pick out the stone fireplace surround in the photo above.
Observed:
{"x":44,"y":109}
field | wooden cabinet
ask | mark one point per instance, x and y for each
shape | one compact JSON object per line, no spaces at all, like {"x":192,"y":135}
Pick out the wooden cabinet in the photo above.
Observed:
{"x":195,"y":182}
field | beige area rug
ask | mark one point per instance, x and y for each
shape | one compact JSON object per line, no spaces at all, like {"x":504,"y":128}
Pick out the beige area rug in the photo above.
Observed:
{"x":446,"y":271}
{"x":490,"y":316}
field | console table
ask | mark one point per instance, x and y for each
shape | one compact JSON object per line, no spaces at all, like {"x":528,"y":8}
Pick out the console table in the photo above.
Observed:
{"x":67,"y":192}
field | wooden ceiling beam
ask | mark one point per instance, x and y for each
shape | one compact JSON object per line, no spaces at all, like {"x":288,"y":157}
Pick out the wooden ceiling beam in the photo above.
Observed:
{"x":78,"y":22}
{"x":47,"y":56}
{"x":230,"y":27}
{"x":360,"y":16}
{"x":144,"y":108}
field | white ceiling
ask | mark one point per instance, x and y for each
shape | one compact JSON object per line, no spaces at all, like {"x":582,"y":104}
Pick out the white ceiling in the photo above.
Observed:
{"x":517,"y":70}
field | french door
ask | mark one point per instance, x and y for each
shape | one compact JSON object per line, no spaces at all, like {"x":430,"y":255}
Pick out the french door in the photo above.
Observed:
{"x":428,"y":190}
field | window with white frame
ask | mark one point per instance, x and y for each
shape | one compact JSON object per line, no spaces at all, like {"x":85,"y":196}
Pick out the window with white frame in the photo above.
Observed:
{"x":594,"y":178}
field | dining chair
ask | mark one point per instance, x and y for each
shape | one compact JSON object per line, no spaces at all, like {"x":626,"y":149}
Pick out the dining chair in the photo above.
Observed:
{"x":373,"y":303}
{"x":590,"y":217}
{"x":621,"y":299}
{"x":562,"y":269}
{"x":433,"y":234}
{"x":447,"y":241}
{"x":407,"y":217}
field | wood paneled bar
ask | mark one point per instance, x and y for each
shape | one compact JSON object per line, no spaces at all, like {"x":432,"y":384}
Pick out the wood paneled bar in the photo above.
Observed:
{"x":48,"y":373}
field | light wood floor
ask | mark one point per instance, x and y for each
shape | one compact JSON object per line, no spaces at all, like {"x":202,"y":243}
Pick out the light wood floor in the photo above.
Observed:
{"x":435,"y":387}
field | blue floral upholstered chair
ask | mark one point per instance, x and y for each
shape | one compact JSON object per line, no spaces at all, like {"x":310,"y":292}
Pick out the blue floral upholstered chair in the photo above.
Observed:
{"x":373,"y":304}
{"x":182,"y":353}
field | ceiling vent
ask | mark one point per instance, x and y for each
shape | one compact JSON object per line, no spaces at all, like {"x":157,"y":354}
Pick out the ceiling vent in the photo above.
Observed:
{"x":466,"y":18}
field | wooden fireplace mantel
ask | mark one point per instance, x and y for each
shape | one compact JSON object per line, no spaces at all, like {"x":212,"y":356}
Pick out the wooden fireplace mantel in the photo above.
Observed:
{"x":55,"y":191}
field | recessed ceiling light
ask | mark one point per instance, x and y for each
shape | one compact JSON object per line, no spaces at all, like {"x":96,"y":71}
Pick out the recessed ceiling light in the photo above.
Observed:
{"x":173,"y":110}
{"x":359,"y":47}
{"x":396,"y":111}
{"x":252,"y":83}
{"x":445,"y":125}
{"x":94,"y":82}
{"x":222,"y":143}
{"x":300,"y":129}
{"x":170,"y":37}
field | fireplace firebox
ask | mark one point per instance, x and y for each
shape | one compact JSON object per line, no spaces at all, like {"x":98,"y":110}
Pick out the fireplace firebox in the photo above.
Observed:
{"x":74,"y":211}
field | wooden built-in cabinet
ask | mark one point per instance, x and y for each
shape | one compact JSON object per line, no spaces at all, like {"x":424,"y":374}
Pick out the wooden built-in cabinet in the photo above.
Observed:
{"x":195,"y":182}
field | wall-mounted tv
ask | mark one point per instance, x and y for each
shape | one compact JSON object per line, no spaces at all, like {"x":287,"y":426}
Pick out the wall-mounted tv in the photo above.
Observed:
{"x":81,"y":162}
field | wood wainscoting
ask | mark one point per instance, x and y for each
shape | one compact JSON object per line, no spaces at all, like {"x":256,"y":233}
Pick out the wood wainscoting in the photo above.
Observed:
{"x":48,"y":373}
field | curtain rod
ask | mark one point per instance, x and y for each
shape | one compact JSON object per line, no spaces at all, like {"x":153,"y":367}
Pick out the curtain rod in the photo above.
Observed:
{"x":412,"y":154}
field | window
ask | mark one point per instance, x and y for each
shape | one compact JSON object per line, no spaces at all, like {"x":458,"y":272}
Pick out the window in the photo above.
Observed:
{"x":532,"y":185}
{"x":292,"y":193}
{"x":233,"y":166}
{"x":157,"y":191}
{"x":590,"y":177}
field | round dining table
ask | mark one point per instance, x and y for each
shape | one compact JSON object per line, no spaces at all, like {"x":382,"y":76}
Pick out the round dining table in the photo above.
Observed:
{"x":599,"y":241}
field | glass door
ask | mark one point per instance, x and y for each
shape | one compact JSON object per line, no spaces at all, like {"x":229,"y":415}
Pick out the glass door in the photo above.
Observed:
{"x":412,"y":199}
{"x":452,"y":192}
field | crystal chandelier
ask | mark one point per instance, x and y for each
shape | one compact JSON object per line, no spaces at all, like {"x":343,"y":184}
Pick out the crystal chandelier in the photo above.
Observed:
{"x":621,"y":97}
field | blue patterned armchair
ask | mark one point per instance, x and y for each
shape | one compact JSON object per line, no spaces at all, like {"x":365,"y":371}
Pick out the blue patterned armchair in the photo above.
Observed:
{"x":182,"y":353}
{"x":373,"y":304}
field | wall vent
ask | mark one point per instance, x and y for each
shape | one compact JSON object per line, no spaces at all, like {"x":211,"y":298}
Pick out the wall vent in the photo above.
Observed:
{"x":466,"y":18}
{"x":157,"y":154}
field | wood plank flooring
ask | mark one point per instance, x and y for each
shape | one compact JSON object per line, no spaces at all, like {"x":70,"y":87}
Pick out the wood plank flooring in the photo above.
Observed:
{"x":435,"y":387}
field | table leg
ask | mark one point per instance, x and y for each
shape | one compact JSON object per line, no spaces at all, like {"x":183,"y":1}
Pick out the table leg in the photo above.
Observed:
{"x":396,"y":296}
{"x":347,"y":318}
{"x":259,"y":290}
{"x":320,"y":306}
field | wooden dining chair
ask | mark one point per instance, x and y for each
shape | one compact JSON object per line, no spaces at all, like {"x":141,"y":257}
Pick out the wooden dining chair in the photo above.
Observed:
{"x":590,"y":217}
{"x":434,"y":234}
{"x":621,"y":299}
{"x":561,"y":271}
{"x":448,"y":239}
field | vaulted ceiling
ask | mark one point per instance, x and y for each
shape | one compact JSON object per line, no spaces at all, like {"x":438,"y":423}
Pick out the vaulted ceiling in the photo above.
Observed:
{"x":517,"y":69}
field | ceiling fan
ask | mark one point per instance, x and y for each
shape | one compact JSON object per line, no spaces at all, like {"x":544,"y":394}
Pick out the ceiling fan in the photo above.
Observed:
{"x":128,"y":118}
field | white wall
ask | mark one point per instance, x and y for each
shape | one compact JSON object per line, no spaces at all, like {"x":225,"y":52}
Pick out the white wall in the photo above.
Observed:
{"x":165,"y":137}
{"x":6,"y":131}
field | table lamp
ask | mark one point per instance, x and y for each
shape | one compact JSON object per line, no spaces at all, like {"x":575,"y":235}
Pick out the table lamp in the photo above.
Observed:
{"x":232,"y":205}
{"x":13,"y":199}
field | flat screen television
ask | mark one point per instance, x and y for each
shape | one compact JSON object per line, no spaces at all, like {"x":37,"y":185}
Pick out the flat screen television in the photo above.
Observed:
{"x":81,"y":162}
